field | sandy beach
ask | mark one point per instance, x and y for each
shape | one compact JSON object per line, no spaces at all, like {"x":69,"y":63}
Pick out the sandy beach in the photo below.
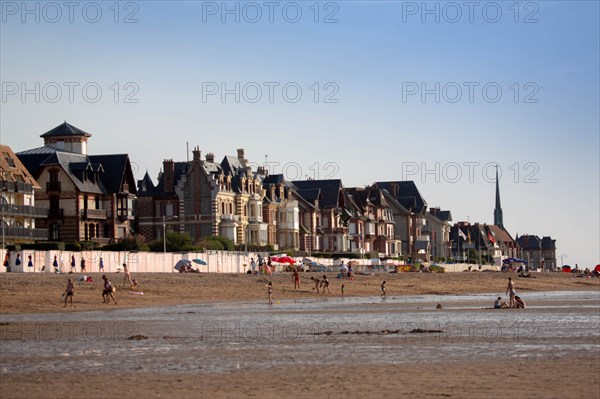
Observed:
{"x":39,"y":293}
{"x":224,"y":341}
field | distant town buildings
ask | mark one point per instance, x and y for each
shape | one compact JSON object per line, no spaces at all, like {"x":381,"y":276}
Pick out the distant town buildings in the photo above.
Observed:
{"x":82,"y":197}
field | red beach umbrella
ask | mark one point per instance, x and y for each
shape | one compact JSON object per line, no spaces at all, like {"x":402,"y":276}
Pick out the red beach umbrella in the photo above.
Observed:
{"x":597,"y":268}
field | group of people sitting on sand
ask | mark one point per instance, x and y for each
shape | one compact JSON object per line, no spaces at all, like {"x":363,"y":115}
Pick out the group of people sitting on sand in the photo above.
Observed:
{"x":516,"y":302}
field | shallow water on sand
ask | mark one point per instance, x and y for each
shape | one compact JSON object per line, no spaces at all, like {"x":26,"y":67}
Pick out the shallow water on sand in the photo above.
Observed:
{"x":252,"y":335}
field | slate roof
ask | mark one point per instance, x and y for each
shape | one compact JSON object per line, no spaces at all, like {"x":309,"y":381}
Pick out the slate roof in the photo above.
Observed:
{"x":65,"y":129}
{"x":548,"y":243}
{"x":407,"y":195}
{"x":115,"y":168}
{"x":75,"y":172}
{"x":112,"y":168}
{"x":330,"y":190}
{"x":529,"y":242}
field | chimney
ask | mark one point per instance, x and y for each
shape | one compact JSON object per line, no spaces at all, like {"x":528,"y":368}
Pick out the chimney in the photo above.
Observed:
{"x":210,"y":157}
{"x":240,"y":153}
{"x":272,"y":191}
{"x":196,"y":153}
{"x":260,"y":170}
{"x":168,"y":175}
{"x":281,"y":192}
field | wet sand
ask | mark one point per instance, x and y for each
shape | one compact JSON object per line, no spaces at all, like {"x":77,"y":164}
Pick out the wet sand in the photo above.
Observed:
{"x":40,"y":293}
{"x":227,"y":342}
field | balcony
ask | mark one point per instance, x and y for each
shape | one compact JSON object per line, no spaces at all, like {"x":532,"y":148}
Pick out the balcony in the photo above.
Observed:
{"x":24,"y":210}
{"x":228,"y":217}
{"x":53,"y":186}
{"x":94,"y":214}
{"x":125,"y":214}
{"x":25,"y":233}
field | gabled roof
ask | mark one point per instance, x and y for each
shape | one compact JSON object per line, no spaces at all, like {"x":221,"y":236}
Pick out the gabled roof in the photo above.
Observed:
{"x":13,"y":169}
{"x":500,"y":234}
{"x":146,"y":186}
{"x":406,"y":193}
{"x":64,"y":160}
{"x":330,"y":190}
{"x":65,"y":129}
{"x":117,"y":170}
{"x":548,"y":243}
{"x":529,"y":242}
{"x":392,"y":202}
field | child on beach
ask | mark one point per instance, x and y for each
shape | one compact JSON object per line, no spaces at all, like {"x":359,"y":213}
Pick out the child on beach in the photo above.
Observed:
{"x":270,"y":292}
{"x":383,"y":296}
{"x":69,"y":292}
{"x":107,"y":291}
{"x":317,"y":281}
{"x":325,"y":284}
{"x":296,"y":279}
{"x":500,"y":304}
{"x":519,"y":303}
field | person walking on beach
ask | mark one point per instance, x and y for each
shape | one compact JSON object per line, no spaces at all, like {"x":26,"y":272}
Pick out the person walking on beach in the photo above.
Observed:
{"x":82,"y":264}
{"x":73,"y":263}
{"x":55,"y":264}
{"x":69,"y":291}
{"x":317,"y":281}
{"x":107,"y":291}
{"x":510,"y":289}
{"x":383,"y":295}
{"x":126,"y":276}
{"x":101,"y":265}
{"x":325,"y":284}
{"x":270,"y":292}
{"x":29,"y":261}
{"x":296,"y":279}
{"x":253,"y":265}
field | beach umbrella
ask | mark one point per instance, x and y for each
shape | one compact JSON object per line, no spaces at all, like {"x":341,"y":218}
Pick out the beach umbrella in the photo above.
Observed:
{"x":182,"y":263}
{"x":199,"y":261}
{"x":286,"y":259}
{"x":566,"y":269}
{"x":597,"y":268}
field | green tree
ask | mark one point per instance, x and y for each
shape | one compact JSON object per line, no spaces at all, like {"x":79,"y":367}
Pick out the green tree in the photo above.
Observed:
{"x":176,"y":242}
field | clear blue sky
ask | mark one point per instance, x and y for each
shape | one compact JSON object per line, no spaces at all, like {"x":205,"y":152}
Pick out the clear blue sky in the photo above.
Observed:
{"x":546,"y":127}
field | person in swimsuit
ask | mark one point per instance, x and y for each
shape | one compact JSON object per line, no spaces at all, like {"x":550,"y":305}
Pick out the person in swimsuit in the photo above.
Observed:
{"x":383,"y":295}
{"x":127,"y":276}
{"x":519,"y":303}
{"x":69,"y":292}
{"x":107,"y":291}
{"x":510,"y":289}
{"x":270,"y":292}
{"x":317,"y":281}
{"x":296,"y":279}
{"x":325,"y":284}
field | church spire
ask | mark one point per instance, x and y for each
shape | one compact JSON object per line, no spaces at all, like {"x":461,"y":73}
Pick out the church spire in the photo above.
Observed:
{"x":498,"y":209}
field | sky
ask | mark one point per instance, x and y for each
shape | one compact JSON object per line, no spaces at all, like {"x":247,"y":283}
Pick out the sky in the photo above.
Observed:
{"x":436,"y":92}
